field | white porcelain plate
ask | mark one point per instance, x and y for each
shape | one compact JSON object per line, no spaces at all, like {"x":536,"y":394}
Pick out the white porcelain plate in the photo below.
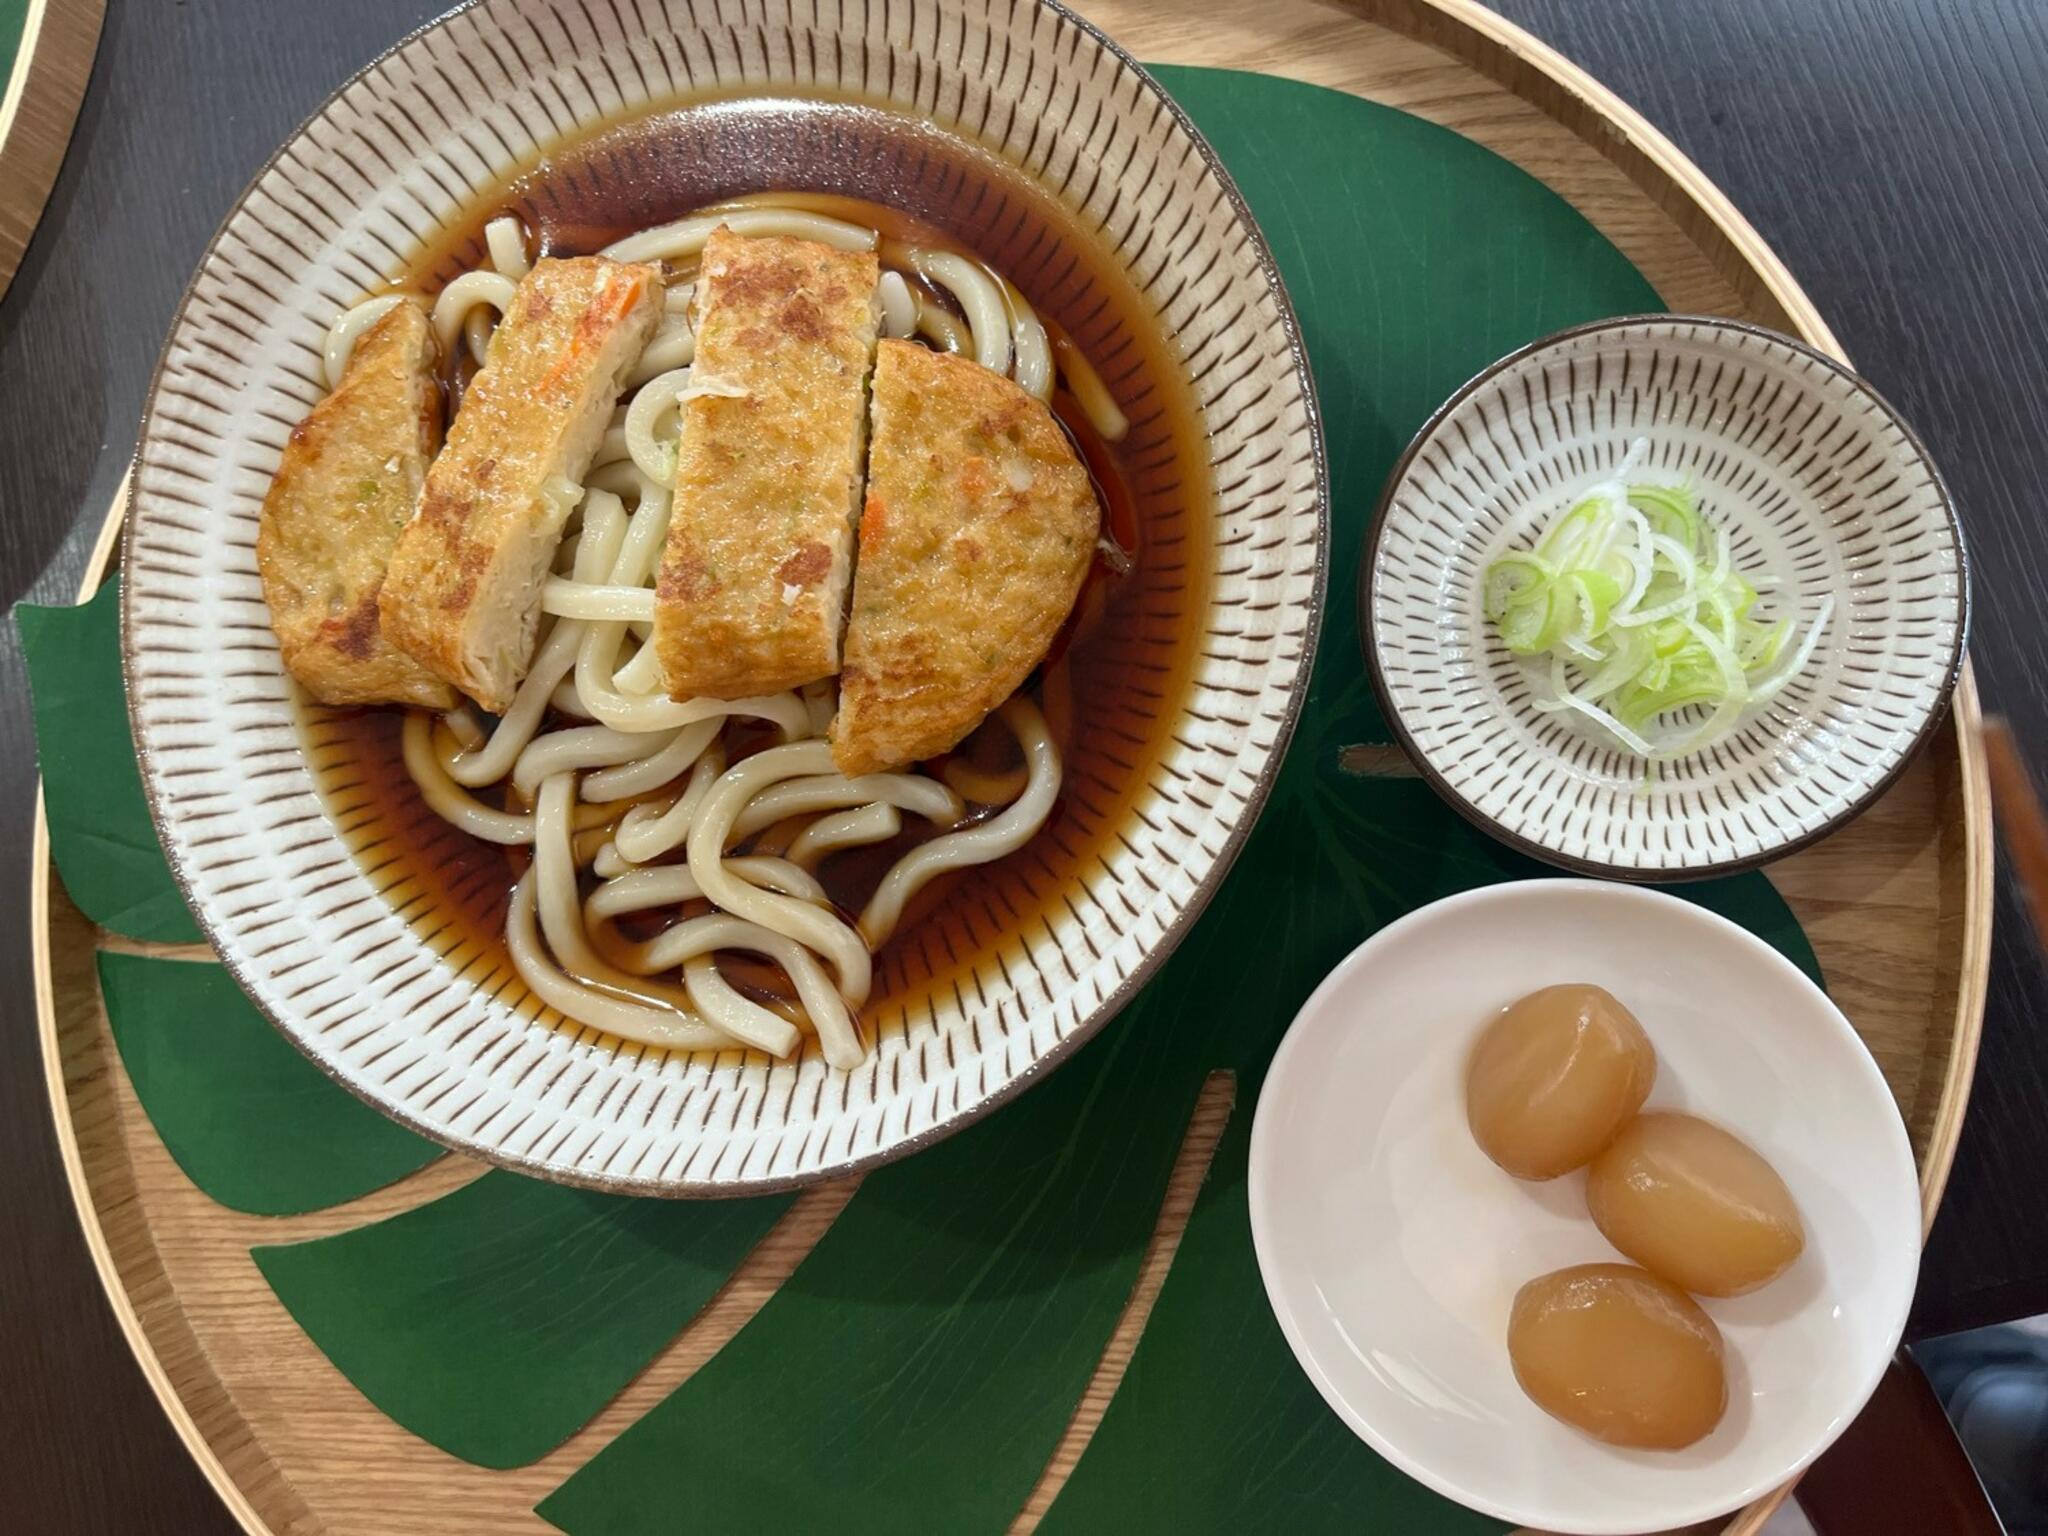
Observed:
{"x":429,"y":134}
{"x":1821,"y":488}
{"x":1391,"y":1247}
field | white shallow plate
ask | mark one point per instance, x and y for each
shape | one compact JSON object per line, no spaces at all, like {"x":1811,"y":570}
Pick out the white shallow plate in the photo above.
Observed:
{"x":1391,"y":1247}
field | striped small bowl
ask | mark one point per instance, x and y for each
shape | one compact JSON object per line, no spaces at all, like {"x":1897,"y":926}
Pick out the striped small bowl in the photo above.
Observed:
{"x":1817,"y":481}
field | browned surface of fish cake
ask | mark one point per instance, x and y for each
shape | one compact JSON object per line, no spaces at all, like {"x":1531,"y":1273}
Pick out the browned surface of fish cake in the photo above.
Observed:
{"x":463,"y":592}
{"x":752,"y":588}
{"x":344,"y":490}
{"x":979,"y":526}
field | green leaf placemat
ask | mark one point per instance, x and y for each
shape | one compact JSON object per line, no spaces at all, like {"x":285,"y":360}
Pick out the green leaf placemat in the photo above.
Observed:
{"x":497,"y":1320}
{"x":1214,"y":1428}
{"x":252,"y":1122}
{"x":916,"y":1387}
{"x":1414,"y":258}
{"x":13,"y":21}
{"x":918,"y":1369}
{"x":100,"y":832}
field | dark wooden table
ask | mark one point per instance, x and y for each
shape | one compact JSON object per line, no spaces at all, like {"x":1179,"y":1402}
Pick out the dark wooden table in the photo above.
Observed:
{"x":1894,"y":151}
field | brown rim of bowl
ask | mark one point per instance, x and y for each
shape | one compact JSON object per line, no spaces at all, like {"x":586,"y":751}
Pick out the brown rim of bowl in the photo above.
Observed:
{"x":1944,"y":692}
{"x":1104,"y":1011}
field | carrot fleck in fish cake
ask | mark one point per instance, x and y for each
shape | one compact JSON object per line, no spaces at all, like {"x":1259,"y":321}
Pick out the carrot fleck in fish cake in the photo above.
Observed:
{"x":979,"y":526}
{"x":753,"y":580}
{"x":344,"y":489}
{"x":463,"y":593}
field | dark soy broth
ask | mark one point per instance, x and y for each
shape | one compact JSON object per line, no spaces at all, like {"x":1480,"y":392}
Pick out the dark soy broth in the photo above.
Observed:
{"x":1115,"y":681}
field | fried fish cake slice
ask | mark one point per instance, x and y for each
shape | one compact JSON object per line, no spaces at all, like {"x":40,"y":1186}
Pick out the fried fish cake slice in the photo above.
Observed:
{"x":980,"y":524}
{"x":344,"y":489}
{"x":463,"y":591}
{"x":752,"y":591}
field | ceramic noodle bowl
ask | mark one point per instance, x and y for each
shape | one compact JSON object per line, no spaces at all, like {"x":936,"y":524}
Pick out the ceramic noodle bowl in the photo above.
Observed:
{"x":337,"y":900}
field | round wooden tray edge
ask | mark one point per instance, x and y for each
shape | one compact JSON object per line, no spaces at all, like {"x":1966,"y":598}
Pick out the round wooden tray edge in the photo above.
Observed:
{"x":118,"y":1298}
{"x":1974,"y":977}
{"x":58,"y":42}
{"x":1531,"y":68}
{"x":1527,"y":67}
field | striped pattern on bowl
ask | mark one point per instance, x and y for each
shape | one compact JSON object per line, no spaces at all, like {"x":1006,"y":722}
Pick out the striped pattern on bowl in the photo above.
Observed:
{"x":402,"y":149}
{"x":1817,"y":482}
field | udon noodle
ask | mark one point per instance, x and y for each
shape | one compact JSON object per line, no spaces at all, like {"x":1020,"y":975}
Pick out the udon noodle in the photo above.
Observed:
{"x":662,"y":835}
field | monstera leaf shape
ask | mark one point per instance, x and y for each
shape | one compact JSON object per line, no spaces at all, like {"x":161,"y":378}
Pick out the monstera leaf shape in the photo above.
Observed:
{"x":921,"y":1367}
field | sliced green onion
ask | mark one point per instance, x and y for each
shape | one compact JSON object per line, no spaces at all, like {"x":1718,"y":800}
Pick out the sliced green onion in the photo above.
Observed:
{"x":1637,"y":605}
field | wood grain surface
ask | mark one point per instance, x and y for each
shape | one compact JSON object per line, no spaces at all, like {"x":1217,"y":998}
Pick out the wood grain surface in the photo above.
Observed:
{"x":1893,"y":151}
{"x":39,"y":104}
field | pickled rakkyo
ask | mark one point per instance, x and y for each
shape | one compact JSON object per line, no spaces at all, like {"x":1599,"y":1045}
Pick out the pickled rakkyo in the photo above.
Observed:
{"x":1554,"y":1077}
{"x":1612,"y":1350}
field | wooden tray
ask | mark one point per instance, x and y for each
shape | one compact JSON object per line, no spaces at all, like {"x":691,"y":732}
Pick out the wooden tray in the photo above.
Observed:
{"x":44,"y":80}
{"x":1897,"y":905}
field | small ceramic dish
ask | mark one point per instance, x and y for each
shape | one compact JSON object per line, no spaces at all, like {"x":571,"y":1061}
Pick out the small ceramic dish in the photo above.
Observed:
{"x":1817,"y":482}
{"x":1391,"y":1247}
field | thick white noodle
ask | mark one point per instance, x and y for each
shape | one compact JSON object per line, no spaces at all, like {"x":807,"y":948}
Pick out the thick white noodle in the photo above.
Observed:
{"x":899,"y":308}
{"x":1001,"y":834}
{"x":857,"y":828}
{"x":669,"y":885}
{"x":832,"y":791}
{"x":642,"y":675}
{"x":660,"y":713}
{"x":622,"y":477}
{"x":651,"y":773}
{"x":981,"y":301}
{"x":808,"y":925}
{"x":690,"y":944}
{"x":941,"y":329}
{"x":646,"y":832}
{"x":561,"y":923}
{"x":611,"y":448}
{"x":477,"y":326}
{"x":1034,"y":350}
{"x":565,"y":700}
{"x":638,"y":890}
{"x":602,"y":602}
{"x":674,"y":346}
{"x":348,"y":329}
{"x":578,"y":747}
{"x":658,"y":397}
{"x":506,"y":242}
{"x":516,"y":727}
{"x":717,"y":1003}
{"x":821,"y":700}
{"x":714,"y":995}
{"x":675,"y":299}
{"x":643,"y":1022}
{"x":685,"y":237}
{"x":465,"y":293}
{"x":450,"y":801}
{"x":1093,"y":396}
{"x":464,"y":726}
{"x":655,"y":454}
